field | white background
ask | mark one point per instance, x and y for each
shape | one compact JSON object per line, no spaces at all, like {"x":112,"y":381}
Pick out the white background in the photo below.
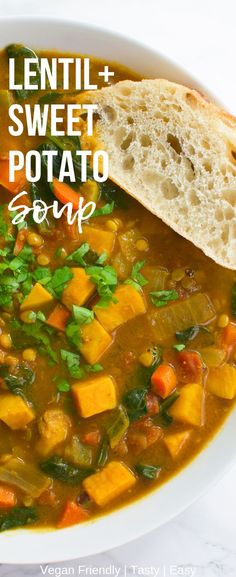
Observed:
{"x":201,"y":36}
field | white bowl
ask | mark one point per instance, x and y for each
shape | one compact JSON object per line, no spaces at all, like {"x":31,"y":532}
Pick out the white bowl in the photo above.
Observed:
{"x":132,"y":521}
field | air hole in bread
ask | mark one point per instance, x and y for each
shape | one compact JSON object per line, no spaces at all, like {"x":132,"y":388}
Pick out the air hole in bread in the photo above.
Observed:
{"x":233,"y":154}
{"x":194,"y":200}
{"x":174,"y":142}
{"x":191,"y":149}
{"x":219,"y":215}
{"x":169,"y":190}
{"x":225,"y":234}
{"x":110,"y":113}
{"x":141,"y":107}
{"x":130,"y":120}
{"x":230,"y":196}
{"x":145,"y":140}
{"x":229,"y":213}
{"x":163,"y":163}
{"x":120,"y":135}
{"x":127,"y":141}
{"x":207,"y":166}
{"x":124,"y":90}
{"x":191,"y":99}
{"x":176,"y":107}
{"x":206,"y":144}
{"x":223,"y":170}
{"x":128,"y":162}
{"x":158,"y":115}
{"x":152,"y":179}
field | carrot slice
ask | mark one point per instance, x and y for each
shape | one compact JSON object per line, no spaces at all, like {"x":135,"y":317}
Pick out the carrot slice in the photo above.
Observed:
{"x":58,"y":317}
{"x":7,"y":497}
{"x":163,"y":380}
{"x":229,"y":335}
{"x":20,"y":241}
{"x":92,"y":438}
{"x":71,"y":515}
{"x":64,"y":193}
{"x":12,"y":187}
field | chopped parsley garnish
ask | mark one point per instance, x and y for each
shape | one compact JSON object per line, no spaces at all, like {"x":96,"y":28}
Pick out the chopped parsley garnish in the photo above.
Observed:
{"x":59,"y":280}
{"x":72,"y":361}
{"x":161,"y":298}
{"x":62,"y":385}
{"x":105,"y":280}
{"x":84,"y":256}
{"x":81,"y":316}
{"x":137,"y":280}
{"x":36,"y":334}
{"x":103,"y":210}
{"x":78,"y":254}
{"x":179,"y":347}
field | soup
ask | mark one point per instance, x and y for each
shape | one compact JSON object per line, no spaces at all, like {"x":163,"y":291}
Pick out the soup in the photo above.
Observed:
{"x":117,"y":359}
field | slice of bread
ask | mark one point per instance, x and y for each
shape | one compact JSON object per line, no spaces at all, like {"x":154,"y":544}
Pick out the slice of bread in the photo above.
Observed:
{"x":175,"y":152}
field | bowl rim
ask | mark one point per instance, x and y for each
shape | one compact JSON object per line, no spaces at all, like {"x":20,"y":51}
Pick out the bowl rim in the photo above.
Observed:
{"x":160,"y":505}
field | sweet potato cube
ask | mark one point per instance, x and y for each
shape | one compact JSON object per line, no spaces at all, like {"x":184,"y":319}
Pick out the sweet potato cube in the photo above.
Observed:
{"x":95,"y":395}
{"x":175,"y":442}
{"x":99,"y":240}
{"x":222,"y":381}
{"x":130,"y":304}
{"x":189,"y":406}
{"x":109,"y":483}
{"x":78,"y":290}
{"x":95,"y":341}
{"x":14,"y":412}
{"x":37,"y":298}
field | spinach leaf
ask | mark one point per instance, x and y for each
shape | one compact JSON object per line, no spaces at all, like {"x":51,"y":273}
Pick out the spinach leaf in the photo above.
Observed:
{"x":61,"y":470}
{"x":3,"y":224}
{"x":103,"y":452}
{"x":163,"y":418}
{"x":19,"y":53}
{"x":190,"y":333}
{"x":18,"y":517}
{"x":142,"y":375}
{"x":161,"y":298}
{"x":50,"y":97}
{"x":148,"y":471}
{"x":135,"y":403}
{"x":19,"y":382}
{"x":112,"y":192}
{"x":66,"y":142}
{"x":233,"y":300}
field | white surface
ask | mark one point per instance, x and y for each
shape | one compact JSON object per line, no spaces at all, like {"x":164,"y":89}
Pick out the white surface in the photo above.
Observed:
{"x":201,"y":37}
